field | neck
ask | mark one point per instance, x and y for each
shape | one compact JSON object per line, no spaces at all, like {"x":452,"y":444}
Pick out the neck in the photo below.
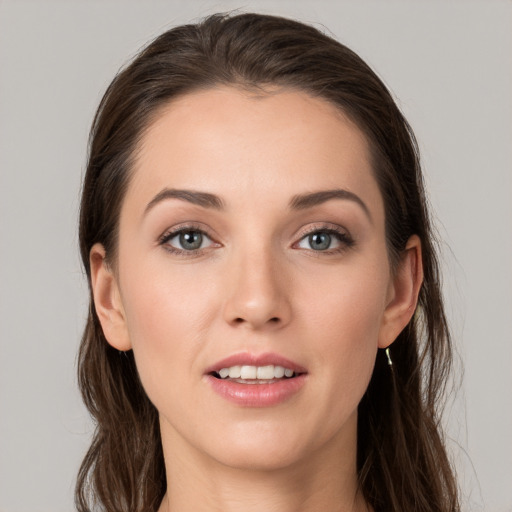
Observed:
{"x":324,"y":480}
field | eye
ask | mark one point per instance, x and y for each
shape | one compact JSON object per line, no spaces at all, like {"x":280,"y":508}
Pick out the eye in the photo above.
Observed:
{"x":325,"y":240}
{"x":186,"y":240}
{"x":319,"y":241}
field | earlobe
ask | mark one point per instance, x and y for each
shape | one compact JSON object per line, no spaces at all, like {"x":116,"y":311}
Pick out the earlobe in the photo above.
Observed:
{"x":404,"y":292}
{"x":107,"y":300}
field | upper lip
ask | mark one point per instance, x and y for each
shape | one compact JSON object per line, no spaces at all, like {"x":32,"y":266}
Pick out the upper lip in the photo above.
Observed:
{"x":248,"y":359}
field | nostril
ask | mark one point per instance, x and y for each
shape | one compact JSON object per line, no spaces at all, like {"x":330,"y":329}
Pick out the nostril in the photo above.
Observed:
{"x":273,"y":320}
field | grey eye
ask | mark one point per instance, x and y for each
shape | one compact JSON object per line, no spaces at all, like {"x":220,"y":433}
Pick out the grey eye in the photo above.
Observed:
{"x":188,"y":240}
{"x":320,"y":241}
{"x":325,"y":240}
{"x":191,"y":240}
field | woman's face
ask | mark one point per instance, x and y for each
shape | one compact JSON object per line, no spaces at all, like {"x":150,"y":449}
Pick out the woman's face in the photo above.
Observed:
{"x":252,"y":235}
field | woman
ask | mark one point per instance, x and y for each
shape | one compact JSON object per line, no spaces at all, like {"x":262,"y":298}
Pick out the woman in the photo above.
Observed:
{"x":266,"y":327}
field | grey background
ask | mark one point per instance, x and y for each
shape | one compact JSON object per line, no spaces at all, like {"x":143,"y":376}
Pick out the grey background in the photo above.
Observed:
{"x":449,"y":64}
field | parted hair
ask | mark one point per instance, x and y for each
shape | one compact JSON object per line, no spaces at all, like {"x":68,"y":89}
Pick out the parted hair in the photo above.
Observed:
{"x":402,"y":461}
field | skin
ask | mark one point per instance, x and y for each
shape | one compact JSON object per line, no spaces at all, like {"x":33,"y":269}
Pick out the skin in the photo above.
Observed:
{"x":256,"y":285}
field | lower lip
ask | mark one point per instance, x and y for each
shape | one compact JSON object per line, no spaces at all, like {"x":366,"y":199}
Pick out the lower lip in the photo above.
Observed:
{"x":257,"y":395}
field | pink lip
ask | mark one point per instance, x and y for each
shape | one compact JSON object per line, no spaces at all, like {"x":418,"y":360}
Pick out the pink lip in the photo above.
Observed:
{"x":248,"y":359}
{"x":256,"y":395}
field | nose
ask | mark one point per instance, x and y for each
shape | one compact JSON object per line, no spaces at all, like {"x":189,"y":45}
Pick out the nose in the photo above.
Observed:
{"x":258,"y":295}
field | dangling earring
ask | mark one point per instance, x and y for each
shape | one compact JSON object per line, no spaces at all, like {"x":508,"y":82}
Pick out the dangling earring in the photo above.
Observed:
{"x":388,"y":355}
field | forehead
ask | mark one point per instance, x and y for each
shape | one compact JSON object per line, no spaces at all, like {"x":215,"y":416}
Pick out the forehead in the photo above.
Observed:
{"x":236,"y":144}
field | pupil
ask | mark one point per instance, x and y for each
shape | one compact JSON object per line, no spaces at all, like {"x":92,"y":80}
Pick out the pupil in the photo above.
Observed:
{"x":191,"y":240}
{"x":320,"y":241}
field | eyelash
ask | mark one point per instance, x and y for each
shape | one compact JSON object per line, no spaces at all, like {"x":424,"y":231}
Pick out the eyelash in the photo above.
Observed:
{"x":169,"y":235}
{"x":343,"y":237}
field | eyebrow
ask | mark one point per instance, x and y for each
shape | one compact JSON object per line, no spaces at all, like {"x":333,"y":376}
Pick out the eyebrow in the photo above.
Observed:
{"x":203,"y":199}
{"x":298,"y":202}
{"x":304,"y":201}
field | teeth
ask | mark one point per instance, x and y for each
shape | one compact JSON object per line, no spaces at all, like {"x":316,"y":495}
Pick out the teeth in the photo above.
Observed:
{"x":234,"y":372}
{"x":247,"y":372}
{"x":279,"y":372}
{"x":224,"y":373}
{"x":265,"y":372}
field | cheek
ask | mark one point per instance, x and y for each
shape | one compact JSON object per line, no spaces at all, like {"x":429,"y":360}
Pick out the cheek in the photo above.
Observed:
{"x":344,"y":325}
{"x":349,"y":306}
{"x":167,"y":316}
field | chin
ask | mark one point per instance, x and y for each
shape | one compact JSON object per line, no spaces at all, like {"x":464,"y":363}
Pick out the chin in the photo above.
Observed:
{"x":270,"y":446}
{"x":261,"y":456}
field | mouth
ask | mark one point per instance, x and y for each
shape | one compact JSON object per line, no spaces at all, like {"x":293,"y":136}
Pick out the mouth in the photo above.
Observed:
{"x":250,"y":380}
{"x":249,"y":374}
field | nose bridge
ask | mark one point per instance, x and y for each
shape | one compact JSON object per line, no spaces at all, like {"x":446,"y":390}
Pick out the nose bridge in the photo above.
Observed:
{"x":258,"y":295}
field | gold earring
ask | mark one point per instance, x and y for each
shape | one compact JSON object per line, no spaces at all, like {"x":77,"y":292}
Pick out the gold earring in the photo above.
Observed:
{"x":388,"y":355}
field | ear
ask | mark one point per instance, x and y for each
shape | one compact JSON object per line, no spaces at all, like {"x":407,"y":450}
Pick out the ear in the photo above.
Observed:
{"x":107,"y":300}
{"x":403,"y":293}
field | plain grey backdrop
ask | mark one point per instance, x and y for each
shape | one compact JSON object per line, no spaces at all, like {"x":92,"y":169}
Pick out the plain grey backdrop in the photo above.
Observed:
{"x":450,"y":66}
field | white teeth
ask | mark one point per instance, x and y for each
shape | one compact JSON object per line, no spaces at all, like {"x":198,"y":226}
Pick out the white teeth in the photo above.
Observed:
{"x":279,"y":372}
{"x":234,"y":372}
{"x":247,"y":372}
{"x":265,"y":372}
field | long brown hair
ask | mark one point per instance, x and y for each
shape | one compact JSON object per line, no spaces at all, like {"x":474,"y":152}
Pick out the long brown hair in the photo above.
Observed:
{"x":402,"y":462}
